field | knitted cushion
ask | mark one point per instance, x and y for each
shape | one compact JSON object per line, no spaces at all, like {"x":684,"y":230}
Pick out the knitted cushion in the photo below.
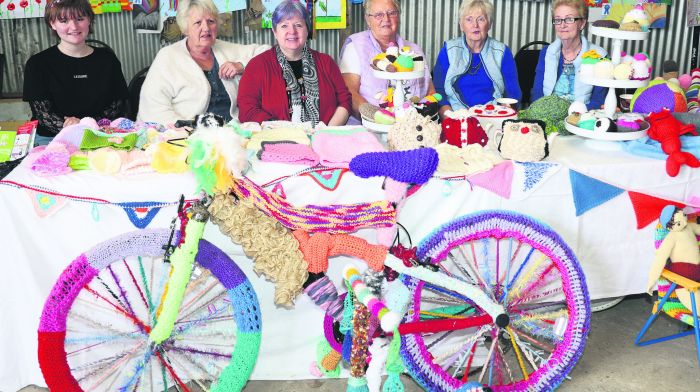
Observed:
{"x":337,"y":150}
{"x":413,"y":166}
{"x":286,"y":152}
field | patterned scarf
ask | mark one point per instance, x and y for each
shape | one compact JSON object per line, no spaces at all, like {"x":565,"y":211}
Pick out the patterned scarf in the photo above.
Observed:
{"x":304,"y":107}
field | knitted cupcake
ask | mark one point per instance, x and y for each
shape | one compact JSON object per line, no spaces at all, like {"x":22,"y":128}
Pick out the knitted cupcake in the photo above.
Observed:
{"x":637,"y":14}
{"x":603,"y":69}
{"x":588,"y":62}
{"x":622,"y":71}
{"x":641,"y":70}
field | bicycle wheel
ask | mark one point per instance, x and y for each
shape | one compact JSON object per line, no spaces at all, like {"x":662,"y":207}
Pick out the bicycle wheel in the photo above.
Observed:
{"x":525,"y":266}
{"x":93,"y":333}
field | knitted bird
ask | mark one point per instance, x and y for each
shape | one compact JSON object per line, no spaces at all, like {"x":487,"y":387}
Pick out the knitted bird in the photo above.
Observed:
{"x":667,"y":130}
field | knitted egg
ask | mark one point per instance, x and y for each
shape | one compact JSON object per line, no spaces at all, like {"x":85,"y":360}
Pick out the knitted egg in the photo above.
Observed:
{"x":657,"y":96}
{"x":622,"y":71}
{"x":603,"y":69}
{"x":587,"y":121}
{"x":523,"y":140}
{"x":604,"y":124}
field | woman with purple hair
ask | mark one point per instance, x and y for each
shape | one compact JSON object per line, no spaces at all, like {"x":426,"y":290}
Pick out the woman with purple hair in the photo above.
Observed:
{"x":292,"y":81}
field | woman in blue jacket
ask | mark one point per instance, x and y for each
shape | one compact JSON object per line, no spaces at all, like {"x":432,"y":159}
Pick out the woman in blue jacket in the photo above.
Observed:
{"x":475,"y":68}
{"x":557,"y":69}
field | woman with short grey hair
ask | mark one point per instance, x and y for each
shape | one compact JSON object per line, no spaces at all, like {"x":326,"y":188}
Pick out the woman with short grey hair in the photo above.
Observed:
{"x":291,"y":81}
{"x":474,"y":68}
{"x":382,"y":18}
{"x":197,"y":74}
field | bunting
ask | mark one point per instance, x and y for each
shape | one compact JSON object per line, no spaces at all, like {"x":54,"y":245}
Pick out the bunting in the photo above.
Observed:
{"x":279,"y":190}
{"x":497,"y":180}
{"x":648,"y":208}
{"x":589,"y":193}
{"x":45,"y":204}
{"x":328,"y":179}
{"x":141,"y":213}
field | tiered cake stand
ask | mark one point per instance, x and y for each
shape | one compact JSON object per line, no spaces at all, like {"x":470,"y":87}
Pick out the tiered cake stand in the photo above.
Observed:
{"x":397,"y":80}
{"x":617,"y":37}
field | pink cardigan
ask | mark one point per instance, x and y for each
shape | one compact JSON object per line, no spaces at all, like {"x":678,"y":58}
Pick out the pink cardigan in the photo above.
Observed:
{"x":262,"y":92}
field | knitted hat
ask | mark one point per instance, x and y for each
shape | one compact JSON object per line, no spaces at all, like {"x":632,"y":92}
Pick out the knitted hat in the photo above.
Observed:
{"x":285,"y":152}
{"x":337,"y":150}
{"x":412,"y":166}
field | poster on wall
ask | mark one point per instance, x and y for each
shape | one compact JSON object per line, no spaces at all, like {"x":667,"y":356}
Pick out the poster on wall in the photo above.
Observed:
{"x":693,"y":13}
{"x":616,"y":10}
{"x":146,"y":16}
{"x":19,"y":9}
{"x":330,"y":14}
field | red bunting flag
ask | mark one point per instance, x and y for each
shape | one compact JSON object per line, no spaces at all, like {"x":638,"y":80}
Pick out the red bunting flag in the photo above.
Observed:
{"x":648,"y":208}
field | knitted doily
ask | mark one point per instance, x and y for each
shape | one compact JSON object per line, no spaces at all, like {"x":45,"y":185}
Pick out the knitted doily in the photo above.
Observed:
{"x":274,"y":250}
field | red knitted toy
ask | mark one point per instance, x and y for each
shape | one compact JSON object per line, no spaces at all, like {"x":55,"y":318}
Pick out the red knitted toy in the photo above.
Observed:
{"x":667,"y":130}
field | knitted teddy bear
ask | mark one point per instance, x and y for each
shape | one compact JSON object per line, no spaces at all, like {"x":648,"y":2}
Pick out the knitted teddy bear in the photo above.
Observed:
{"x":680,"y":246}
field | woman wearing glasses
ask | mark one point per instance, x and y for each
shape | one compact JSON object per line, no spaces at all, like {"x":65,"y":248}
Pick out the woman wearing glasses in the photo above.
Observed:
{"x":475,"y":69}
{"x":558,"y":66}
{"x":382,"y":18}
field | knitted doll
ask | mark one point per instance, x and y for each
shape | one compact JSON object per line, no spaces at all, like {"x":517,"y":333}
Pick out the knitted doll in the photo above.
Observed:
{"x":680,"y":247}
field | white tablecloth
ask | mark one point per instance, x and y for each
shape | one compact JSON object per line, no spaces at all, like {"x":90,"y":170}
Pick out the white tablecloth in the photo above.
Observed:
{"x":614,"y":254}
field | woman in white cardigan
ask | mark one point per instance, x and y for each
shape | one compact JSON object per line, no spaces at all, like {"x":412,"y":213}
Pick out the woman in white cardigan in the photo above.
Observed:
{"x":197,"y":74}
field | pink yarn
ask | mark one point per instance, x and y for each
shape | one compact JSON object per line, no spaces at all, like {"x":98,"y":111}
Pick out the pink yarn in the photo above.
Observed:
{"x":73,"y":134}
{"x":53,"y":159}
{"x":293,"y":153}
{"x":684,"y":80}
{"x":338,"y":150}
{"x":394,"y":190}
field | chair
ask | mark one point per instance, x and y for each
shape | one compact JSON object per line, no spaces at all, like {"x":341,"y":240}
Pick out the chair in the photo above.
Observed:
{"x":135,"y":91}
{"x":96,"y":43}
{"x":671,"y":305}
{"x":526,"y":62}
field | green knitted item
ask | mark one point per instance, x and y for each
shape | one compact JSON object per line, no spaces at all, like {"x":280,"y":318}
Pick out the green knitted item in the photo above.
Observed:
{"x":323,"y":348}
{"x":234,"y":377}
{"x":357,"y":384}
{"x":78,"y":162}
{"x":339,"y":132}
{"x":92,"y":141}
{"x":552,"y":110}
{"x":394,"y":366}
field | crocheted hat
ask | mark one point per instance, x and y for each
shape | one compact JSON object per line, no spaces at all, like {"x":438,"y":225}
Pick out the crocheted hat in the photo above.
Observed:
{"x":412,"y":166}
{"x":286,"y":152}
{"x":337,"y":150}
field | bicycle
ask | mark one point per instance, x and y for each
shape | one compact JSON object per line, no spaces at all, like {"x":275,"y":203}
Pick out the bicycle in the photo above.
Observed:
{"x":510,"y":294}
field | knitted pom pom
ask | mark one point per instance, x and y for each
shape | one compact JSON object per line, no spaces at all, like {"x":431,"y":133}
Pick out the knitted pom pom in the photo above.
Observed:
{"x":412,"y":166}
{"x":397,"y":297}
{"x":390,"y":321}
{"x":373,"y":280}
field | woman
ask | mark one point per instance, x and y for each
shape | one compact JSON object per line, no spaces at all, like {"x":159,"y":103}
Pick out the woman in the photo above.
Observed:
{"x":291,"y":81}
{"x":382,"y":18}
{"x":72,"y":79}
{"x":475,"y":69}
{"x":197,"y":74}
{"x":558,"y":66}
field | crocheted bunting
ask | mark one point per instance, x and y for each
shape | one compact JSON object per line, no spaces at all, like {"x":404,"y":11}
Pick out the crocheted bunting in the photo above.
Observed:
{"x":498,"y":180}
{"x":589,"y":193}
{"x":45,"y":204}
{"x":279,"y":189}
{"x":694,"y":203}
{"x":140,"y":213}
{"x":647,"y":208}
{"x":528,"y":176}
{"x":328,"y":179}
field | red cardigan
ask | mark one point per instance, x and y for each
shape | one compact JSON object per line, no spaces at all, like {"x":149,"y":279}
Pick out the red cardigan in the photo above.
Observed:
{"x":262,"y":92}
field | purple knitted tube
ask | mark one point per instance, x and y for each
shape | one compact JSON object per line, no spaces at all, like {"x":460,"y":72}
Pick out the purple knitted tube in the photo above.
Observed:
{"x":412,"y":166}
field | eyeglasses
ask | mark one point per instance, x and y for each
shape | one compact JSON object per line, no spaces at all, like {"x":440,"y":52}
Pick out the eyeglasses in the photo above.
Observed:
{"x":568,"y":20}
{"x":389,"y":14}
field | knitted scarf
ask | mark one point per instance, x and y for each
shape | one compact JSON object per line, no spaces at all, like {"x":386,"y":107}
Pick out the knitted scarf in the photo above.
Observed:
{"x":304,"y":108}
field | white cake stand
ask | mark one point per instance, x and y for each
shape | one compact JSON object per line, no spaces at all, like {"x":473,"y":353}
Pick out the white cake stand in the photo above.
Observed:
{"x":396,"y":80}
{"x":617,"y":37}
{"x":601,"y":140}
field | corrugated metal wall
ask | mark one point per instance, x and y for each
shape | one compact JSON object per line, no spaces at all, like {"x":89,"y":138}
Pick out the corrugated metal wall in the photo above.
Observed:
{"x":426,"y":22}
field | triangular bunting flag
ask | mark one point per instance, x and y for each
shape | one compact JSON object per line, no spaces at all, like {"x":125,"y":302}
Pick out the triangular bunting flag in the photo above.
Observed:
{"x":140,"y":213}
{"x":694,"y":203}
{"x":45,"y":204}
{"x":328,"y":179}
{"x":590,"y":193}
{"x":279,"y":190}
{"x":535,"y":172}
{"x":497,"y":180}
{"x":648,"y":208}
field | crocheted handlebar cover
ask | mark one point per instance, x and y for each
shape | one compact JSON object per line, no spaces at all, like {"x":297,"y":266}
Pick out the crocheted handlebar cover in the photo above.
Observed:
{"x":334,"y":218}
{"x":412,"y":166}
{"x":318,"y":247}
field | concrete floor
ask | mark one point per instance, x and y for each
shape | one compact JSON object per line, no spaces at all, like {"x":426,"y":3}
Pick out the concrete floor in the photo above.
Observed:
{"x":610,"y":363}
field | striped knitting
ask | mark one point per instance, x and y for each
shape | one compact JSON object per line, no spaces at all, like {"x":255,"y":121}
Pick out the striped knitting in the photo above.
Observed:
{"x":343,"y":218}
{"x":269,"y":244}
{"x":320,"y":246}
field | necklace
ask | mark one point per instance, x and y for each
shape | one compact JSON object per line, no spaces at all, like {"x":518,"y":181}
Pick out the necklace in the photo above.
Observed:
{"x":574,"y":58}
{"x":474,"y":69}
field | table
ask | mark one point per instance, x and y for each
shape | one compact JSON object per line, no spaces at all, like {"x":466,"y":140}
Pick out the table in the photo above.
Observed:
{"x":615,"y":255}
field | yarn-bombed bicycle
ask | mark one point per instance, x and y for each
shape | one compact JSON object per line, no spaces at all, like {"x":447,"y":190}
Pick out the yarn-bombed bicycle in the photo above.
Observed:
{"x":531,"y":314}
